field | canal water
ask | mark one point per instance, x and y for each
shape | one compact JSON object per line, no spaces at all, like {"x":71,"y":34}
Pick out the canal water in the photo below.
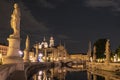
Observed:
{"x":74,"y":74}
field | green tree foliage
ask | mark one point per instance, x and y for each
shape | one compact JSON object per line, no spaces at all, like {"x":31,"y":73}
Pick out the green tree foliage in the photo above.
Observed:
{"x":117,"y":51}
{"x":100,"y":48}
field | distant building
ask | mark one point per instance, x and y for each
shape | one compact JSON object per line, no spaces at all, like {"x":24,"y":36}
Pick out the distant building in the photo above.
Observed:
{"x":51,"y":51}
{"x":3,"y":49}
{"x":78,"y":56}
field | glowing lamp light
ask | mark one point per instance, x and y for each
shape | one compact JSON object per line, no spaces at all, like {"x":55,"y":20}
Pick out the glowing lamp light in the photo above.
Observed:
{"x":40,"y":72}
{"x":40,"y":55}
{"x":21,"y":53}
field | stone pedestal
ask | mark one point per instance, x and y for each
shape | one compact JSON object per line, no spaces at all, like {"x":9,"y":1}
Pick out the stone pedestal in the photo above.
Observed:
{"x":14,"y":46}
{"x":13,"y":56}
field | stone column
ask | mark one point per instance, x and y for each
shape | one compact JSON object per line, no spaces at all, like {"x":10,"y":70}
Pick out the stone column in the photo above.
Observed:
{"x":107,"y":78}
{"x":88,"y":75}
{"x":94,"y":77}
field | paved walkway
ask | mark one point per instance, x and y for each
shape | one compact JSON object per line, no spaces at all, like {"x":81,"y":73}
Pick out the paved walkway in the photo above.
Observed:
{"x":17,"y":75}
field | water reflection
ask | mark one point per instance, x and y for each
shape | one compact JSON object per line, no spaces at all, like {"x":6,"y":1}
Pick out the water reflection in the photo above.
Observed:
{"x":63,"y":73}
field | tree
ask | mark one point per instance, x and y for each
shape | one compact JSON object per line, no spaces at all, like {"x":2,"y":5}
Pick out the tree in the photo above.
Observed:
{"x":100,"y":48}
{"x":117,"y":51}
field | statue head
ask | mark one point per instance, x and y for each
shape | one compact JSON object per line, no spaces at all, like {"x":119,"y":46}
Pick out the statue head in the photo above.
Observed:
{"x":15,"y":5}
{"x":108,"y":40}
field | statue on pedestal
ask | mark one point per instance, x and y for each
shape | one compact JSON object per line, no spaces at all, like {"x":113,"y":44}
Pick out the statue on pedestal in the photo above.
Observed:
{"x":15,"y":21}
{"x":94,"y":53}
{"x":108,"y":51}
{"x":13,"y":56}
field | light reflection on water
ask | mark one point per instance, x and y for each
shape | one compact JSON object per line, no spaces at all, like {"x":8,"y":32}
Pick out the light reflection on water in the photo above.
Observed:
{"x":74,"y":74}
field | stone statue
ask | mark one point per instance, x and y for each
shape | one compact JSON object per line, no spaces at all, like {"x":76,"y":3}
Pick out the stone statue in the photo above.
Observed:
{"x":107,"y":46}
{"x":107,"y":51}
{"x":15,"y":21}
{"x":27,"y":42}
{"x":94,"y":53}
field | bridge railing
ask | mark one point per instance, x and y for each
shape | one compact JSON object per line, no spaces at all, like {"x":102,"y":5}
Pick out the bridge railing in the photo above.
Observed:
{"x":6,"y":70}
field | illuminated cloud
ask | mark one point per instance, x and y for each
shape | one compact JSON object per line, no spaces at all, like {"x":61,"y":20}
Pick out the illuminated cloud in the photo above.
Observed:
{"x":45,"y":3}
{"x":48,"y":3}
{"x":113,"y":4}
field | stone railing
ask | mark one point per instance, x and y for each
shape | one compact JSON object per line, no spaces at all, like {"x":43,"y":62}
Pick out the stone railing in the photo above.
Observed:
{"x":6,"y":70}
{"x":104,"y":66}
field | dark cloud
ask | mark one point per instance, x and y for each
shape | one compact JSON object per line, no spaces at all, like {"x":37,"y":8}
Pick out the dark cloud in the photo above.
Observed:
{"x":63,"y":37}
{"x":29,"y":22}
{"x":29,"y":25}
{"x":51,"y":4}
{"x":27,"y":19}
{"x":45,"y":3}
{"x":99,"y":3}
{"x":74,"y":22}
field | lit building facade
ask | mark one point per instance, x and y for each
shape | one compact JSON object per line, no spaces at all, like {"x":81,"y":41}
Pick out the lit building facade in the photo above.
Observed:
{"x":49,"y":51}
{"x":79,"y":56}
{"x":3,"y":50}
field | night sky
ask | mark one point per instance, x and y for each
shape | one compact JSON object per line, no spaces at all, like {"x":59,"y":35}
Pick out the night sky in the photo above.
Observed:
{"x":71,"y":22}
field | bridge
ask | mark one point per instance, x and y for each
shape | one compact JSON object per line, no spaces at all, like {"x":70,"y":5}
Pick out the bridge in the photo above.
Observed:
{"x":74,"y":64}
{"x":9,"y":71}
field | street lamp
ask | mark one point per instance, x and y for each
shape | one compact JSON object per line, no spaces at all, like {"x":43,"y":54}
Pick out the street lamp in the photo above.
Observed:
{"x":20,"y":53}
{"x":40,"y":57}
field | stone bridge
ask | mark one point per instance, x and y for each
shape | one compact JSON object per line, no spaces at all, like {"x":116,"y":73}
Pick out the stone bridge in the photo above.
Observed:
{"x":33,"y":68}
{"x":9,"y":71}
{"x":6,"y":70}
{"x":74,"y":64}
